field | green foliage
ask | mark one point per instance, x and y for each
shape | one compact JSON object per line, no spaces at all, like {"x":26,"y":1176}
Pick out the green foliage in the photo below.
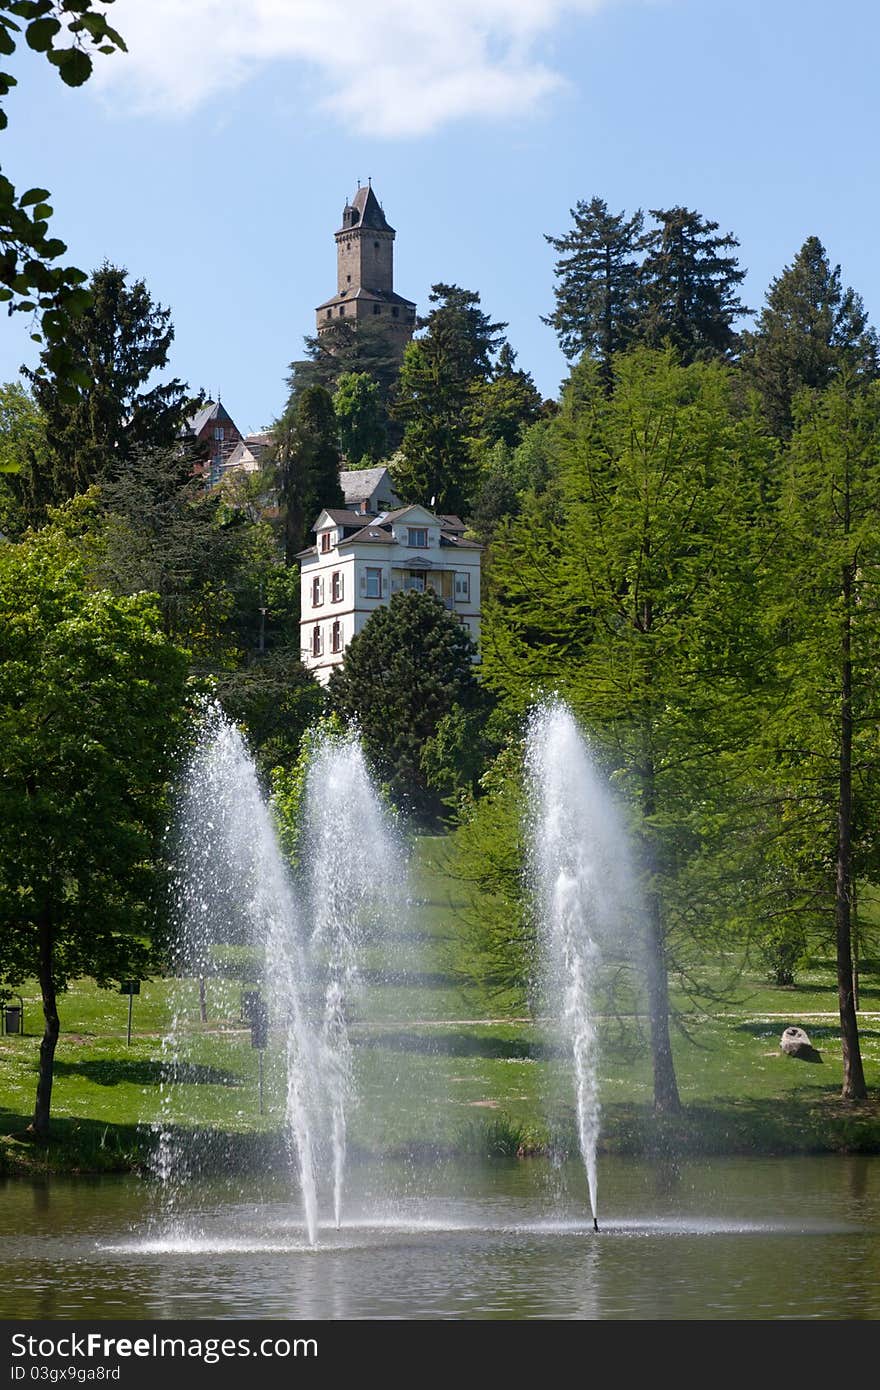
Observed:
{"x":688,"y":287}
{"x":437,"y":391}
{"x":91,"y":697}
{"x":363,"y":438}
{"x":341,"y":350}
{"x":123,"y":338}
{"x":289,"y":784}
{"x":498,"y":941}
{"x":597,"y":287}
{"x":408,"y":667}
{"x":504,"y":406}
{"x":810,"y":331}
{"x":22,"y":439}
{"x":69,"y":33}
{"x":307,"y":455}
{"x":628,"y":588}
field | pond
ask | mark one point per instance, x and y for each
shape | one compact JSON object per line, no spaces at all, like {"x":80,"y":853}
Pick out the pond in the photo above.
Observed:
{"x":736,"y":1238}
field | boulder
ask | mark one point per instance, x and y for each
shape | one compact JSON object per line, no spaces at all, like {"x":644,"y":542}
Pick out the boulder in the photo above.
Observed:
{"x":795,"y":1043}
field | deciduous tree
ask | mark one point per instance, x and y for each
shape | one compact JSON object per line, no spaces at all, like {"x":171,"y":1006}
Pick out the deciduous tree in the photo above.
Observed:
{"x":91,"y":694}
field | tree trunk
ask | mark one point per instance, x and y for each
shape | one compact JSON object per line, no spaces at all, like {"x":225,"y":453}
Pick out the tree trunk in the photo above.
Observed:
{"x":854,"y":1087}
{"x":39,"y":1125}
{"x":666,"y":1097}
{"x":203,"y":1001}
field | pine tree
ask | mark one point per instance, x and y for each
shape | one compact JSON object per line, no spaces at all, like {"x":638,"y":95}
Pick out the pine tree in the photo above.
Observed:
{"x":307,"y":455}
{"x":121,"y":339}
{"x":597,"y":283}
{"x":809,"y":331}
{"x":433,"y":400}
{"x":688,"y":287}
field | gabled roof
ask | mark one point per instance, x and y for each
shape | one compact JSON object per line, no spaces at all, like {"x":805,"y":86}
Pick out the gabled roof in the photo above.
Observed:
{"x":340,"y":517}
{"x":210,"y":411}
{"x":364,"y":210}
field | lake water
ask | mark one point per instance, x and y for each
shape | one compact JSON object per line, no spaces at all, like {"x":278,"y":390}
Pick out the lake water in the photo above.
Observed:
{"x":726,"y":1239}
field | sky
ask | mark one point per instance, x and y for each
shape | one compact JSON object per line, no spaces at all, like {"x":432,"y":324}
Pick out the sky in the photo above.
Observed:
{"x":213,"y":160}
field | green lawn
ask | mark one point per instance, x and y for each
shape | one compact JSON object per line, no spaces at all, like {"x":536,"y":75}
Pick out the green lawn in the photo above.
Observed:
{"x":437,"y":1066}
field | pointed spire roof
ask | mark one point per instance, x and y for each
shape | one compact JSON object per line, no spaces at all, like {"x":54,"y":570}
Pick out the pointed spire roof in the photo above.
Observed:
{"x":365,"y":210}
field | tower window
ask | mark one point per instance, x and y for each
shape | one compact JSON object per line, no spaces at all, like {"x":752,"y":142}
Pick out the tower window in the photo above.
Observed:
{"x":394,"y":311}
{"x":375,"y":246}
{"x":348,"y":278}
{"x":377,"y":309}
{"x":329,"y":313}
{"x":341,"y":310}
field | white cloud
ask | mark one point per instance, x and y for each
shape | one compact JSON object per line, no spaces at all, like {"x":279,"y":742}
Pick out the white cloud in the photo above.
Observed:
{"x":386,"y":67}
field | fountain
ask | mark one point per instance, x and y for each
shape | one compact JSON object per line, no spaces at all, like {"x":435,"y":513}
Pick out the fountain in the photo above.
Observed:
{"x":581,"y":888}
{"x":233,"y":886}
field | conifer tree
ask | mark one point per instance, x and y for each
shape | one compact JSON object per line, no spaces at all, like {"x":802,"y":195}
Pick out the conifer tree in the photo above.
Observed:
{"x":810,"y":330}
{"x":120,"y":340}
{"x":627,"y":588}
{"x":434,"y":398}
{"x":819,"y":737}
{"x":688,"y":287}
{"x":409,"y":667}
{"x":307,"y":454}
{"x":597,"y":283}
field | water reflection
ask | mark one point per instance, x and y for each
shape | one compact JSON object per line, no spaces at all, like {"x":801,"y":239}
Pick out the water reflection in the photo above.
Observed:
{"x":688,"y":1241}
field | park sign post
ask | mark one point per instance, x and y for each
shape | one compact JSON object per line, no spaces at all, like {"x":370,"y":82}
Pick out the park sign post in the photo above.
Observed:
{"x":131,"y":988}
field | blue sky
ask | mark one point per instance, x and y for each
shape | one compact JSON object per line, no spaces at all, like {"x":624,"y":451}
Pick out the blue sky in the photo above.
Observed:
{"x":213,"y":160}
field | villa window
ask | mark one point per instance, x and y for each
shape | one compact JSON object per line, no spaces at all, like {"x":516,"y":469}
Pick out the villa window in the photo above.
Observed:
{"x":337,"y":637}
{"x":337,"y":586}
{"x":417,"y":535}
{"x":317,"y":644}
{"x":374,"y":583}
{"x":325,"y":540}
{"x":317,"y":591}
{"x":415,"y":581}
{"x":463,"y":588}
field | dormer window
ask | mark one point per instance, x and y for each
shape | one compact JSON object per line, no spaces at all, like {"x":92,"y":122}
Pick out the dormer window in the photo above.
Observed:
{"x":326,"y":541}
{"x":417,"y":536}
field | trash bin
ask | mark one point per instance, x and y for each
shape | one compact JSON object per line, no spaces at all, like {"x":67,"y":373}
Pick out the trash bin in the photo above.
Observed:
{"x":12,"y":1018}
{"x":250,"y":999}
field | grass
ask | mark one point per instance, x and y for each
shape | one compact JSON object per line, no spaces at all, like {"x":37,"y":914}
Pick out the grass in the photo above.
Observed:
{"x":436,"y":1071}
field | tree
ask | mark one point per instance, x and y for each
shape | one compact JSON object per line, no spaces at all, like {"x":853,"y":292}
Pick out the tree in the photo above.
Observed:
{"x":91,"y":694}
{"x":29,"y":281}
{"x":363,"y":438}
{"x":435,"y":396}
{"x":123,"y":337}
{"x":504,"y":406}
{"x":342,"y":349}
{"x":627,"y":588}
{"x":810,"y":330}
{"x":408,"y":667}
{"x":307,"y":455}
{"x":688,"y":287}
{"x":821,"y":736}
{"x":22,"y":439}
{"x":597,"y":287}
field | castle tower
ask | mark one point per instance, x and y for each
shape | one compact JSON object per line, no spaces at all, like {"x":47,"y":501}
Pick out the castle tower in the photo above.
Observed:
{"x":365,"y":275}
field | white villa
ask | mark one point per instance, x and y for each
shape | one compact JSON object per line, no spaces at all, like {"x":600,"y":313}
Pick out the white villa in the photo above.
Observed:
{"x":359,"y":561}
